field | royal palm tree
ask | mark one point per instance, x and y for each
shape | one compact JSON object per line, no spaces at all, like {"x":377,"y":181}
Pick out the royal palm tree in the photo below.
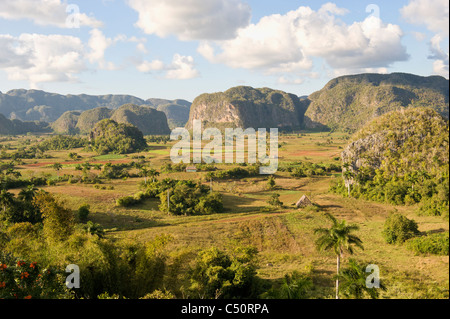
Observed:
{"x":337,"y":238}
{"x":27,"y":194}
{"x":153,"y":173}
{"x":6,"y":199}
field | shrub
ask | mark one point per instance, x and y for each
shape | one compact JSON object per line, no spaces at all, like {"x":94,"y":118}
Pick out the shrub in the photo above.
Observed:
{"x":436,"y":244}
{"x":83,"y":213}
{"x":398,"y":228}
{"x":275,"y":200}
{"x":126,"y":201}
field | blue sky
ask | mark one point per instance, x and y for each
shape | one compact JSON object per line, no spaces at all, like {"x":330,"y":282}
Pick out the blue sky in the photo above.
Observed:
{"x":183,"y":48}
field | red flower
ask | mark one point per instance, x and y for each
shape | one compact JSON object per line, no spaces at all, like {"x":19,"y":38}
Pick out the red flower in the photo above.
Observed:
{"x":33,"y":265}
{"x":2,"y":284}
{"x":20,"y":263}
{"x":3,"y":266}
{"x":27,"y":297}
{"x":24,"y":275}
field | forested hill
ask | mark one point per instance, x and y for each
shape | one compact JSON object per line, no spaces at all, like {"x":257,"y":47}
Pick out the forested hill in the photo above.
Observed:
{"x":349,"y":102}
{"x":402,"y":158}
{"x":244,"y":106}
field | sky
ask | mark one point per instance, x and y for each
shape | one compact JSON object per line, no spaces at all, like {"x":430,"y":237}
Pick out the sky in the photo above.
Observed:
{"x":179,"y":49}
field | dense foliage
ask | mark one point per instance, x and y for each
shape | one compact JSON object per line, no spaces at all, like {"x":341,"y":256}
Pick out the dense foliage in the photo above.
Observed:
{"x":110,"y":137}
{"x":400,"y":158}
{"x":61,"y":142}
{"x":436,"y":244}
{"x":347,"y":103}
{"x":397,"y":229}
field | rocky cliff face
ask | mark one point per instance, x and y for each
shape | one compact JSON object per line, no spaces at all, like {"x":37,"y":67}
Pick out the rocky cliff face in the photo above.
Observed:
{"x":248,"y":107}
{"x":349,"y":102}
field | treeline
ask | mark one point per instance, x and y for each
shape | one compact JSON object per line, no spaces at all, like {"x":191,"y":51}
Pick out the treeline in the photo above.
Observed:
{"x":182,"y":197}
{"x":307,"y":169}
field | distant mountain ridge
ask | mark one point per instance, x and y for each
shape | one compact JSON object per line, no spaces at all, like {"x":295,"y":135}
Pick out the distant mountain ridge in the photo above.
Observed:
{"x":37,"y":105}
{"x":346,"y":103}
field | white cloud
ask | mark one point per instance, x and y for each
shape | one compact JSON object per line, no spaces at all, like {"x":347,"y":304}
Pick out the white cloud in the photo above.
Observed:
{"x":192,"y":19}
{"x":40,"y":58}
{"x":47,"y":12}
{"x":290,"y":81}
{"x":288,"y":43}
{"x":148,"y":67}
{"x":441,"y":63}
{"x":98,"y":44}
{"x":181,"y":68}
{"x":434,"y":14}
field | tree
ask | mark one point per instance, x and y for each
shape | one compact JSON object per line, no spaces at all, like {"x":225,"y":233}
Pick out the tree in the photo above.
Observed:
{"x":27,"y":194}
{"x":6,"y":199}
{"x":217,"y":274}
{"x":295,"y":286}
{"x":275,"y":200}
{"x":337,"y":238}
{"x":58,"y":221}
{"x":353,"y":282}
{"x":153,"y":174}
{"x":83,"y":212}
{"x":57,"y":167}
{"x":271,"y":183}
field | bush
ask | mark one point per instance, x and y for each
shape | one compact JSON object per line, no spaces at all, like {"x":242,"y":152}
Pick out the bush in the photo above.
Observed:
{"x":275,"y":200}
{"x":126,"y":201}
{"x":398,"y":228}
{"x":436,"y":244}
{"x":83,"y":213}
{"x":217,"y":274}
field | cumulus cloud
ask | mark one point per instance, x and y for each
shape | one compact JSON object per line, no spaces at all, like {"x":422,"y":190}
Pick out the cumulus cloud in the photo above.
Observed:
{"x":431,"y":13}
{"x":47,"y":12}
{"x":434,"y":14}
{"x":288,"y":43}
{"x":40,"y":58}
{"x":181,"y":68}
{"x":192,"y":19}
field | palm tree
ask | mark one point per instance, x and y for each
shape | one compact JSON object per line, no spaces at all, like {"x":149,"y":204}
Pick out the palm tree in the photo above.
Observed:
{"x":337,"y":238}
{"x":353,"y":281}
{"x":6,"y":199}
{"x":27,"y":194}
{"x":153,"y":173}
{"x":144,"y":172}
{"x":12,"y":172}
{"x":57,"y":167}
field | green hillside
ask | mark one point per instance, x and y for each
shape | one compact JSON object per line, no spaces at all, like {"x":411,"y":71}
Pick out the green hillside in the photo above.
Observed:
{"x":349,"y":102}
{"x":248,"y":107}
{"x":401,"y":158}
